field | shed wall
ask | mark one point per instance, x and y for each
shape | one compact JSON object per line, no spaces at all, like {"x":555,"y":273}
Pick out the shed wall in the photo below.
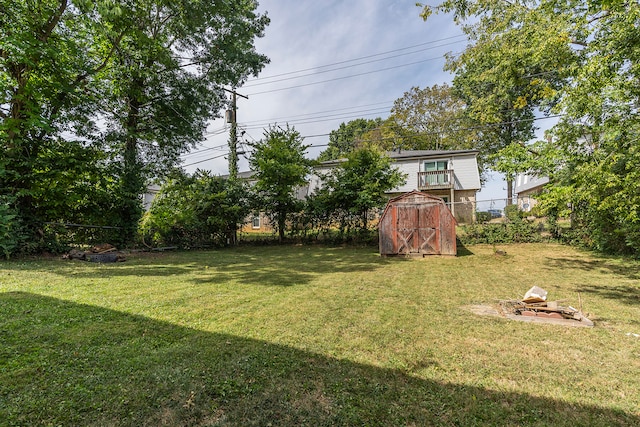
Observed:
{"x":417,"y":224}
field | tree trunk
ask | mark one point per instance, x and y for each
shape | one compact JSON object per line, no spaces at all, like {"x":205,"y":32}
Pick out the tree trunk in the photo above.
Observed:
{"x":132,"y":181}
{"x":509,"y":192}
{"x":282,"y":219}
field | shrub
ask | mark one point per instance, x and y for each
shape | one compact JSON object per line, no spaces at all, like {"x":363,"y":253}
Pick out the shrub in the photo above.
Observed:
{"x":516,"y":231}
{"x":9,"y":235}
{"x":197,"y":211}
{"x":483,"y":217}
{"x":513,"y":213}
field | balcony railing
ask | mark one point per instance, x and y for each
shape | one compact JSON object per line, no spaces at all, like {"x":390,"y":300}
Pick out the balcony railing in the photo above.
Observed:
{"x":435,"y":180}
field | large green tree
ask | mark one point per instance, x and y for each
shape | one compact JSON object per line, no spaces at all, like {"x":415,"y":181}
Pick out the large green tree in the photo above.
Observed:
{"x":281,"y":168}
{"x":357,"y":186}
{"x":348,"y":137}
{"x":148,"y":71}
{"x":580,"y":60}
{"x":166,"y":84}
{"x":51,"y":53}
{"x":433,"y":118}
{"x":512,"y":70}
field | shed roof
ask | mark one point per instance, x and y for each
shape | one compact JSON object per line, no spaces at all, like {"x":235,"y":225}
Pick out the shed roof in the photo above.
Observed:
{"x":417,"y":194}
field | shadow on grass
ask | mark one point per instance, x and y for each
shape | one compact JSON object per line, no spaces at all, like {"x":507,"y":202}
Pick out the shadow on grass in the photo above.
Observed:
{"x":462,"y":249}
{"x":63,"y":363}
{"x":294,"y":265}
{"x":271,"y":266}
{"x":627,"y":294}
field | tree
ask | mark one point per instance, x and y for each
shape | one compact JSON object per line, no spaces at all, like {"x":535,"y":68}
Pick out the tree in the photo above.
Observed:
{"x":151,"y":71}
{"x":348,"y":137}
{"x":280,"y":167}
{"x":433,"y":119}
{"x":197,"y":210}
{"x":166,"y":84}
{"x":358,"y":185}
{"x":579,"y":60}
{"x":51,"y":54}
{"x":503,"y":76}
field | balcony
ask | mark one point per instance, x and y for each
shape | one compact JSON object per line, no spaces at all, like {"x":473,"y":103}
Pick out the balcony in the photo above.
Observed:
{"x":435,"y":180}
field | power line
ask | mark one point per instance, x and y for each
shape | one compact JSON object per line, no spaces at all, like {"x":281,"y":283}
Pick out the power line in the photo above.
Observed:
{"x":288,"y":118}
{"x":205,"y":160}
{"x":319,"y":119}
{"x":260,"y":124}
{"x":346,"y":66}
{"x":484,"y":126}
{"x":196,"y":152}
{"x":358,"y":59}
{"x":346,"y":77}
{"x":489,"y":125}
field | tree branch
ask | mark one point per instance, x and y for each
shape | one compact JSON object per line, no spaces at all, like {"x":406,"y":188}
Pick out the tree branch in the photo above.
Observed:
{"x":53,"y":21}
{"x":82,"y":78}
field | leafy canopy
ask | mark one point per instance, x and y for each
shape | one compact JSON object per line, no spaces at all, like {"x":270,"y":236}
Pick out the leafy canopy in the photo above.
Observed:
{"x":348,"y":137}
{"x":580,"y":60}
{"x":149,"y":72}
{"x":357,"y":186}
{"x":280,"y":169}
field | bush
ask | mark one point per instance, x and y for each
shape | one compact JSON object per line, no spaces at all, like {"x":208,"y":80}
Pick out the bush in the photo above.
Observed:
{"x":9,"y":229}
{"x":513,"y":213}
{"x":515,"y":231}
{"x":483,"y":217}
{"x":197,"y":211}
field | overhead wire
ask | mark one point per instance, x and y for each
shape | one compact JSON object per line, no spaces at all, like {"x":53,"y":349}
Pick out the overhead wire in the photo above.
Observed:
{"x":489,"y":125}
{"x":346,"y":66}
{"x":331,"y":117}
{"x":327,"y":118}
{"x":357,"y":59}
{"x":288,"y":118}
{"x":305,"y":119}
{"x":344,"y":77}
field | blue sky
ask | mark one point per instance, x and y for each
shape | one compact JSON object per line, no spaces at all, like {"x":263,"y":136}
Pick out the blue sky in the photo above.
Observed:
{"x":335,"y":61}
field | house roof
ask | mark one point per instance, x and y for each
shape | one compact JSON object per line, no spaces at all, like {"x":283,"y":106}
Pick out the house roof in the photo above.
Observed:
{"x":412,"y":154}
{"x":526,"y":183}
{"x":408,"y":154}
{"x":395,"y":155}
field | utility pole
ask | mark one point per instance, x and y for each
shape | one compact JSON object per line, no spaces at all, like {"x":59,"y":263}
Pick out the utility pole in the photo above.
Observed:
{"x":233,"y":134}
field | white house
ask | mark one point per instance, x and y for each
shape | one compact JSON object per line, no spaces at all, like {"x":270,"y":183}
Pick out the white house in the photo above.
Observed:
{"x":149,"y":195}
{"x":526,"y":188}
{"x":452,"y":175}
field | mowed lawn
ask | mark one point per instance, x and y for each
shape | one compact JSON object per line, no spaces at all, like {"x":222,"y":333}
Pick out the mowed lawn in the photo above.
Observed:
{"x":304,"y":335}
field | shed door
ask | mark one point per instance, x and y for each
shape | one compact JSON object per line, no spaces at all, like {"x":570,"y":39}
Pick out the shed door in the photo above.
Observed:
{"x":429,"y":228}
{"x":418,"y":229}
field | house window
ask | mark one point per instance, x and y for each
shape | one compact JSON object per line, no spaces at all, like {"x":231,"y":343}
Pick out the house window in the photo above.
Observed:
{"x":255,"y":223}
{"x":437,"y":172}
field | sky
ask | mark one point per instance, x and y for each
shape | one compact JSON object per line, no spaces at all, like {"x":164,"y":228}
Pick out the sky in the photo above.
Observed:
{"x":332,"y":62}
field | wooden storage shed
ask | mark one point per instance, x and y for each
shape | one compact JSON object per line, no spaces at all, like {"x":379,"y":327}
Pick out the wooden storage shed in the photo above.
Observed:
{"x":417,"y":224}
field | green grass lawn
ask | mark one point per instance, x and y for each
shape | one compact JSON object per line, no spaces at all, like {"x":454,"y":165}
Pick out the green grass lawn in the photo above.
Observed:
{"x":316,"y":336}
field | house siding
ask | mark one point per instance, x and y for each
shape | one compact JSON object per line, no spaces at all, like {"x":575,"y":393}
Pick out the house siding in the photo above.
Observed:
{"x":410,"y":168}
{"x":466,"y":172}
{"x":315,"y":180}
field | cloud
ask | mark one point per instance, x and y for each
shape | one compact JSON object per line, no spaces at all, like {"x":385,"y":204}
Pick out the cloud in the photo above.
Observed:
{"x":306,"y":34}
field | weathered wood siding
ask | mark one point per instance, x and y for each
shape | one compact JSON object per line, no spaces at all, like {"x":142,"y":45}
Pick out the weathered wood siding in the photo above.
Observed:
{"x":417,"y":224}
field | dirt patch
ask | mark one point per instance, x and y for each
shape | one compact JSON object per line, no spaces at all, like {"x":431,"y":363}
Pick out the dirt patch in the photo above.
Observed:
{"x":503,"y":310}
